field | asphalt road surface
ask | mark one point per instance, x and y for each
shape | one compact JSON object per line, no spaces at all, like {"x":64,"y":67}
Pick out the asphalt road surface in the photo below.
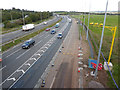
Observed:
{"x":64,"y":73}
{"x":21,"y":68}
{"x":15,"y":34}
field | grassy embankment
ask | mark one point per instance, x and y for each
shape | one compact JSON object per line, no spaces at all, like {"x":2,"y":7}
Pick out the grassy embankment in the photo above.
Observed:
{"x":111,"y":20}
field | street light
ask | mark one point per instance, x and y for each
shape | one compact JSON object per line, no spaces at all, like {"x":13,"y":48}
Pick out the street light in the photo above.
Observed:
{"x":88,"y":20}
{"x":101,"y":40}
{"x":41,"y":16}
{"x":23,"y":18}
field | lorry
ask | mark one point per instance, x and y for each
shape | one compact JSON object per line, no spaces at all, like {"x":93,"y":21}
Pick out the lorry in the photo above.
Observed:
{"x":28,"y":27}
{"x":57,"y":25}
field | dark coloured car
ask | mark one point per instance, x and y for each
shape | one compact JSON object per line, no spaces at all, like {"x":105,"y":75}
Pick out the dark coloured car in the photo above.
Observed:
{"x":53,"y":31}
{"x":28,"y":43}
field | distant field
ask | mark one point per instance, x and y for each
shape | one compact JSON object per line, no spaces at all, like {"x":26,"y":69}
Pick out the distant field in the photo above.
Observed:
{"x":111,"y":20}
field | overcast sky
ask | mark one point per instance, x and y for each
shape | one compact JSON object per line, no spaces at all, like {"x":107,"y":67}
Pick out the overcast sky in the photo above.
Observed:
{"x":60,"y":5}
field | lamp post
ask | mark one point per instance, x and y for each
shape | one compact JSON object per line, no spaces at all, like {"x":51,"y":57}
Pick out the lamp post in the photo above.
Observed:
{"x":23,"y":18}
{"x":41,"y":16}
{"x":88,"y":20}
{"x":101,"y":41}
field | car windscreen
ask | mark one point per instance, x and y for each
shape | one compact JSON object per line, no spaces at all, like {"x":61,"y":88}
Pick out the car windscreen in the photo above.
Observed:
{"x":27,"y":43}
{"x":60,"y":34}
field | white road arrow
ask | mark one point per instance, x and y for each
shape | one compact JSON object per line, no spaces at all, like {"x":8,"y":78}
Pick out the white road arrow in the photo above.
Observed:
{"x":46,"y":47}
{"x":21,"y":71}
{"x":42,"y":51}
{"x":38,"y":54}
{"x":27,"y":64}
{"x":33,"y":59}
{"x":11,"y":79}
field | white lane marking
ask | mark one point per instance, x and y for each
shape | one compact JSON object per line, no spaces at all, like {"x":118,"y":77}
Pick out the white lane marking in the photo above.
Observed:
{"x":2,"y":68}
{"x":37,"y":43}
{"x":46,"y":47}
{"x":46,"y":36}
{"x":13,"y":53}
{"x":20,"y":67}
{"x":21,"y":71}
{"x":33,"y":59}
{"x":38,"y":54}
{"x":11,"y":79}
{"x":22,"y":54}
{"x":27,"y":64}
{"x":42,"y":51}
{"x":47,"y":44}
{"x":52,"y":82}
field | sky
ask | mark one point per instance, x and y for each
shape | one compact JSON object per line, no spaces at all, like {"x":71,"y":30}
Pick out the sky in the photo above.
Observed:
{"x":61,"y":5}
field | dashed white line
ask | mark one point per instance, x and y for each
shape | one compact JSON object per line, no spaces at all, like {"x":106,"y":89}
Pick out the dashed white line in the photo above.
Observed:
{"x":13,"y":53}
{"x":37,"y":43}
{"x":22,"y":54}
{"x":2,"y":68}
{"x":18,"y":69}
{"x":47,"y":36}
{"x":52,"y":82}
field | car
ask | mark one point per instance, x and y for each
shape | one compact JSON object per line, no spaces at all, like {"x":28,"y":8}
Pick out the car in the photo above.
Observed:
{"x":45,"y":23}
{"x":43,"y":83}
{"x":48,"y":29}
{"x":59,"y":36}
{"x":70,"y":20}
{"x":0,"y":59}
{"x":57,"y":25}
{"x":28,"y":43}
{"x":53,"y":31}
{"x":77,"y":22}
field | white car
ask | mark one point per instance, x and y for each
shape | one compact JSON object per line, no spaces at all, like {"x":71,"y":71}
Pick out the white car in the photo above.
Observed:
{"x":59,"y":36}
{"x":45,"y":23}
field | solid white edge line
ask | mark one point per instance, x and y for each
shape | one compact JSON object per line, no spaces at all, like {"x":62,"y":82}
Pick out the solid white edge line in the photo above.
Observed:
{"x":26,"y":61}
{"x":2,"y":68}
{"x":52,"y":82}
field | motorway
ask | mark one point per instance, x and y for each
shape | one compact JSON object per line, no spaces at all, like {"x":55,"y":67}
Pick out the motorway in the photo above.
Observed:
{"x":21,"y":68}
{"x":64,"y":73}
{"x":15,"y":34}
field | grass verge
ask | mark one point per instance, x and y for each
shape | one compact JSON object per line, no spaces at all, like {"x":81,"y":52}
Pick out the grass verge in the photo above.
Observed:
{"x":111,"y":20}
